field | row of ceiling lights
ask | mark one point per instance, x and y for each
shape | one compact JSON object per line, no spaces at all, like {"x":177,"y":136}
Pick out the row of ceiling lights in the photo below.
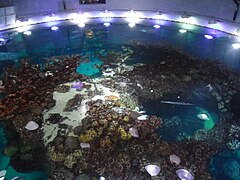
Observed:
{"x":132,"y":18}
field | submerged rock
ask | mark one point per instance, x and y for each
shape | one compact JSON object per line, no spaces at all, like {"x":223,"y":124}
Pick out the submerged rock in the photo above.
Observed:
{"x":235,"y":103}
{"x":74,"y":103}
{"x":55,"y":118}
{"x":71,"y":143}
{"x":62,"y":88}
{"x":82,"y":177}
{"x":10,"y":151}
{"x":78,"y":130}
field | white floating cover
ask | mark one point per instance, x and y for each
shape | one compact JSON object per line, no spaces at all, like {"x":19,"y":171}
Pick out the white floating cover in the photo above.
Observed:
{"x":153,"y":170}
{"x":85,"y":145}
{"x":183,"y":174}
{"x":134,"y":132}
{"x":31,"y":126}
{"x":203,"y":116}
{"x":175,"y":159}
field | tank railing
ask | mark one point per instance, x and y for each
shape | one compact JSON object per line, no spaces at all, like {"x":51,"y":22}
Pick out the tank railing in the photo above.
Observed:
{"x":128,"y":9}
{"x":120,"y":13}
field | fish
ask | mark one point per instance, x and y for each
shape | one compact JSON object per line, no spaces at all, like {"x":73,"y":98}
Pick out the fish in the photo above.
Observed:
{"x":139,"y":85}
{"x":210,"y":88}
{"x":178,"y":103}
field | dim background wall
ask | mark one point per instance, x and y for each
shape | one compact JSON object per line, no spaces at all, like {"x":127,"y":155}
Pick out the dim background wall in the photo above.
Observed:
{"x":223,"y":9}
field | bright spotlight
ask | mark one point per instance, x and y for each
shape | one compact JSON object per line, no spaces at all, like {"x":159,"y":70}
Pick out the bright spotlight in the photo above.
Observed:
{"x":156,"y":26}
{"x":81,"y":25}
{"x":2,"y":39}
{"x":131,"y":25}
{"x":106,"y":24}
{"x":208,"y":36}
{"x":27,"y":33}
{"x":54,"y":28}
{"x":236,"y":46}
{"x":182,"y":30}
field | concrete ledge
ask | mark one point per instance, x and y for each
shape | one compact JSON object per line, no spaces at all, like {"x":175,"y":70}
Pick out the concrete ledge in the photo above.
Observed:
{"x":130,"y":16}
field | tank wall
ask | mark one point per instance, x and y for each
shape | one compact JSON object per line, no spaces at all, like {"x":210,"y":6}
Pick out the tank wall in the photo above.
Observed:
{"x":222,"y":9}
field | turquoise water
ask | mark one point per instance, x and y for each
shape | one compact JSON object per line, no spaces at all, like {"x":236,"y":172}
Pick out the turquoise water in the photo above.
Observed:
{"x":90,"y":68}
{"x":11,"y":172}
{"x":180,"y":122}
{"x":226,"y":165}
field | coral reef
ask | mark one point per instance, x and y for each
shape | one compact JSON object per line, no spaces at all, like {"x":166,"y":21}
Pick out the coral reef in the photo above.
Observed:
{"x":120,"y":140}
{"x":25,"y":86}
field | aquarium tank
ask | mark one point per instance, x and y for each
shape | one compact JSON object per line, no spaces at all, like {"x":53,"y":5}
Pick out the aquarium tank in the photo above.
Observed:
{"x":110,"y":90}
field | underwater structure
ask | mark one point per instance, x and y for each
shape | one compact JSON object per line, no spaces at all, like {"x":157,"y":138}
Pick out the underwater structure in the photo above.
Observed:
{"x":95,"y":90}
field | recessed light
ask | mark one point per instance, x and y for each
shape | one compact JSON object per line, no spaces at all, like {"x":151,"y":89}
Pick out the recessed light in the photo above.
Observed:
{"x":156,"y":26}
{"x":54,"y":28}
{"x":106,"y":24}
{"x":182,"y":30}
{"x":27,"y":33}
{"x":131,"y":25}
{"x":208,"y":36}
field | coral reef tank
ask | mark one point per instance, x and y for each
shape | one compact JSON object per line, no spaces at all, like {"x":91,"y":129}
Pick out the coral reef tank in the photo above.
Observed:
{"x":119,"y":101}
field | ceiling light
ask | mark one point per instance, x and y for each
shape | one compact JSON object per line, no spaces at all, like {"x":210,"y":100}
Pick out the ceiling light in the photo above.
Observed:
{"x":54,"y":28}
{"x":27,"y":33}
{"x":106,"y":24}
{"x":236,"y":46}
{"x":2,"y":39}
{"x":81,"y":25}
{"x":182,"y":30}
{"x":131,"y":25}
{"x":208,"y":36}
{"x":156,"y":26}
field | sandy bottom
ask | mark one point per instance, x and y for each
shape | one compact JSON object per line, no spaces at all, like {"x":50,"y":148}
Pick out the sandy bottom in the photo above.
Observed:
{"x":73,"y":118}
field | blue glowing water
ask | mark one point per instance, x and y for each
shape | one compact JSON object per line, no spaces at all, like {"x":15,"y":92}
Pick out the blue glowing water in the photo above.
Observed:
{"x":72,"y":40}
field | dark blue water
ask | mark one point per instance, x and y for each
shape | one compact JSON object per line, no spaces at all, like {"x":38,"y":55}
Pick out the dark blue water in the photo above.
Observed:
{"x":226,"y":165}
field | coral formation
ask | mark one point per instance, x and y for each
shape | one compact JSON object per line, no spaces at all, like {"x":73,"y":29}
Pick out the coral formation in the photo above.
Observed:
{"x":114,"y":139}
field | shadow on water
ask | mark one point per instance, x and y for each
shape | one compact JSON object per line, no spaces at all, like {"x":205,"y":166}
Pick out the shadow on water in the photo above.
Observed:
{"x":182,"y":121}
